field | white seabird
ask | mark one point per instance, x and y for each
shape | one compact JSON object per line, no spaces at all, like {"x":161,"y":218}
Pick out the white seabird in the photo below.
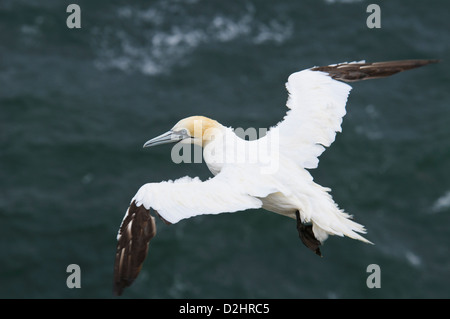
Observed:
{"x":276,"y":178}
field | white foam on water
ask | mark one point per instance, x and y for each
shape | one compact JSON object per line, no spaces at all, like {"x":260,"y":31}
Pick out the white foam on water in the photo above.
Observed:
{"x":154,"y":42}
{"x":442,"y":203}
{"x":413,"y":259}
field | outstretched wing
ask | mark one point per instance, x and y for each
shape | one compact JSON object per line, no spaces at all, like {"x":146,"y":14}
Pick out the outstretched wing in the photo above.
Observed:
{"x":173,"y":201}
{"x":229,"y":191}
{"x":317,"y":105}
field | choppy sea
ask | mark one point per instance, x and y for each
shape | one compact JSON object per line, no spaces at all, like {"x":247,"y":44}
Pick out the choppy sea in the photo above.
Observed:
{"x":76,"y":106}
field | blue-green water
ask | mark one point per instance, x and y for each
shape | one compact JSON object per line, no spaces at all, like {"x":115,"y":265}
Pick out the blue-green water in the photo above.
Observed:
{"x":76,"y":105}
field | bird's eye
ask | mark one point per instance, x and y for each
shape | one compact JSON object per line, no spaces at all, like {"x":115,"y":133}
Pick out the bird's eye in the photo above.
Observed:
{"x":184,"y":133}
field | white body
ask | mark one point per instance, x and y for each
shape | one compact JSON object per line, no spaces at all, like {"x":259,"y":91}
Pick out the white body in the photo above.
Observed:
{"x":270,"y":172}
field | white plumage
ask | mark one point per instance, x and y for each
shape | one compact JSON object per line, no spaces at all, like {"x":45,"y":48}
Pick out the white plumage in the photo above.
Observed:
{"x":317,"y":105}
{"x":269,"y":173}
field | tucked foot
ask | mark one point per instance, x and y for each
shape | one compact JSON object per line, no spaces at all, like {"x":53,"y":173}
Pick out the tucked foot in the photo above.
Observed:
{"x":307,"y":236}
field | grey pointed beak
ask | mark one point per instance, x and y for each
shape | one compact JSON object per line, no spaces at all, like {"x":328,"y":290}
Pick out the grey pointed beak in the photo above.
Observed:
{"x":168,"y":137}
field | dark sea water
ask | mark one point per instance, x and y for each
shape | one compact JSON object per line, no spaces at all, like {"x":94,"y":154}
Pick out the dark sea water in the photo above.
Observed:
{"x":76,"y":106}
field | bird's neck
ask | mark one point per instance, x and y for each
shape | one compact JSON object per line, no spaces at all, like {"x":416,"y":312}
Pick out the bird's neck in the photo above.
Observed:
{"x":218,"y":147}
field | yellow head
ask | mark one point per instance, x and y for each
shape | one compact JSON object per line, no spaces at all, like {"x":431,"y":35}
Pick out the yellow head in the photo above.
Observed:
{"x":194,"y":129}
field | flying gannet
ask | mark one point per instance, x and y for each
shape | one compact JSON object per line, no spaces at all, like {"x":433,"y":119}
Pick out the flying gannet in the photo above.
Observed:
{"x":270,"y":172}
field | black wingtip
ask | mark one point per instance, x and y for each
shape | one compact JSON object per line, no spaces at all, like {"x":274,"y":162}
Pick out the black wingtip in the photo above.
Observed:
{"x":357,"y":71}
{"x":137,"y":229}
{"x":117,"y":291}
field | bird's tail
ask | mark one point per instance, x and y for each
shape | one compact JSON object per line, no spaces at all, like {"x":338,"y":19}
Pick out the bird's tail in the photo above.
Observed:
{"x":328,"y":219}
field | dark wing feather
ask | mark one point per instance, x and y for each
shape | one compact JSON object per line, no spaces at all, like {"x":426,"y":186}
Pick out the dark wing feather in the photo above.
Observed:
{"x":137,"y":228}
{"x":357,"y":71}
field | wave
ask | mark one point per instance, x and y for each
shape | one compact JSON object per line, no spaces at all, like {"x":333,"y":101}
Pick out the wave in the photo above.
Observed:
{"x":442,"y":203}
{"x":155,"y":39}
